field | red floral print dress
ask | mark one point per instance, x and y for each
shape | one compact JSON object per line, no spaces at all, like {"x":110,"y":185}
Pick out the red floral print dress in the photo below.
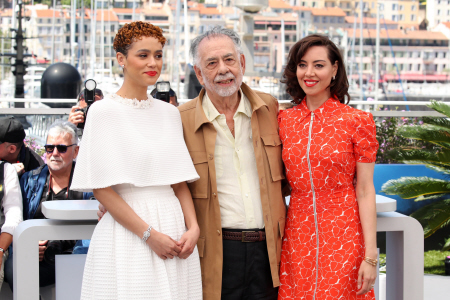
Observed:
{"x":323,"y":245}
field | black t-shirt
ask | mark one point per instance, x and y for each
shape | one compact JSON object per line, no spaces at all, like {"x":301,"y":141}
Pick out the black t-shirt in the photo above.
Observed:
{"x":30,"y":159}
{"x":63,"y":194}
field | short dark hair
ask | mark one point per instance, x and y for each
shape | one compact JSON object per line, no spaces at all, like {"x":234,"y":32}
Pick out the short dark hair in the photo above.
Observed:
{"x":338,"y":87}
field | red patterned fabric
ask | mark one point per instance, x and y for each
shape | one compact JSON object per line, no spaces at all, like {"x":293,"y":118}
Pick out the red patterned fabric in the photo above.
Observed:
{"x":340,"y":137}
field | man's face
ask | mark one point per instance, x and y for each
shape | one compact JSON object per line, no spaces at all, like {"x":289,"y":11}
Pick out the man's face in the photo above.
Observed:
{"x":83,"y":104}
{"x":56,"y":160}
{"x":221,"y":68}
{"x":7,"y":151}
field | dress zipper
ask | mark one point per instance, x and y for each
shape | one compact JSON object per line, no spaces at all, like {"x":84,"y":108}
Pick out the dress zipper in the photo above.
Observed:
{"x":314,"y":204}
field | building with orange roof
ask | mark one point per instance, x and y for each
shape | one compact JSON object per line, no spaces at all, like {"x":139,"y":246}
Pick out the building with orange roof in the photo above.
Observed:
{"x":370,"y":23}
{"x":419,"y":54}
{"x":444,"y":28}
{"x":268,"y":40}
{"x":403,"y":11}
{"x":327,"y":17}
{"x":280,"y":6}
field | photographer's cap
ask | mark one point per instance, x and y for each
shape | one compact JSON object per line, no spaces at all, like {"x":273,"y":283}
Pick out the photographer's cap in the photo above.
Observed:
{"x":11,"y":130}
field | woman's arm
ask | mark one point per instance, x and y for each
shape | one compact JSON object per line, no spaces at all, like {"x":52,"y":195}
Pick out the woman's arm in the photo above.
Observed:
{"x":160,"y":243}
{"x":189,"y":239}
{"x":365,"y":195}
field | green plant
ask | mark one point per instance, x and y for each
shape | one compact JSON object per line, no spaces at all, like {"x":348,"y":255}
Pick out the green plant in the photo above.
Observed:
{"x":436,"y":132}
{"x":388,"y":138}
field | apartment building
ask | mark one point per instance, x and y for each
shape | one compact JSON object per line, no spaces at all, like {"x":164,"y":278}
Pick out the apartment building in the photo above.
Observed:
{"x":420,"y":55}
{"x":268,"y":46}
{"x":370,"y":23}
{"x":437,"y":11}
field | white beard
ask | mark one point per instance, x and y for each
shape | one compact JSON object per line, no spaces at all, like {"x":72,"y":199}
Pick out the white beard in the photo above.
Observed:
{"x":225,"y":91}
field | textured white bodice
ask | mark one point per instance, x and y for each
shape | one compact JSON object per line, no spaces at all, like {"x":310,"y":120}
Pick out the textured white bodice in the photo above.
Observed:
{"x":131,"y":141}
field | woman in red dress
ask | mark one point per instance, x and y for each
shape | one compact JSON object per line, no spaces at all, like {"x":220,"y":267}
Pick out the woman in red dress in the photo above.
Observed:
{"x":329,"y":247}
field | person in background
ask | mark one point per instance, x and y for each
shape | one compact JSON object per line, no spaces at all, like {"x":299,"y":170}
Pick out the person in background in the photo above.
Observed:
{"x":10,"y":212}
{"x":47,"y":183}
{"x":76,"y":117}
{"x":13,"y":149}
{"x":172,"y":96}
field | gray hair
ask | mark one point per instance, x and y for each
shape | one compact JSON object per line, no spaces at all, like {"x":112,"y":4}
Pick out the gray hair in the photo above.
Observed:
{"x":217,"y":31}
{"x":60,"y":127}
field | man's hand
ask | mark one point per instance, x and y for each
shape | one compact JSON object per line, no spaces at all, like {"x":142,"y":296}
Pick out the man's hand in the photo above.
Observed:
{"x":42,"y":248}
{"x":20,"y":168}
{"x":76,"y":117}
{"x":163,"y":245}
{"x":101,"y":211}
{"x":188,"y":241}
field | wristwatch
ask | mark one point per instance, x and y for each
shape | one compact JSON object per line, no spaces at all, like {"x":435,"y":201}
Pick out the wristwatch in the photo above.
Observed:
{"x":147,"y":234}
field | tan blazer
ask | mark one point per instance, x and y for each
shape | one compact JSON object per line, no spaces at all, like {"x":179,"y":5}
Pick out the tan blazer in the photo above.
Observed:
{"x":200,"y":137}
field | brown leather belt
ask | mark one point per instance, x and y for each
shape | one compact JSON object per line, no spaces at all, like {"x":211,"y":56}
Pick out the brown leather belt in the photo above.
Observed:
{"x":244,"y":236}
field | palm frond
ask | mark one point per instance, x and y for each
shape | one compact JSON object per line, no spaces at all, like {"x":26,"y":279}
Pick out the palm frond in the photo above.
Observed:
{"x":438,"y":122}
{"x":433,"y":216}
{"x":441,"y":169}
{"x":413,"y":187}
{"x":428,"y":133}
{"x":427,"y":157}
{"x":446,"y":246}
{"x":429,"y":197}
{"x":440,"y":107}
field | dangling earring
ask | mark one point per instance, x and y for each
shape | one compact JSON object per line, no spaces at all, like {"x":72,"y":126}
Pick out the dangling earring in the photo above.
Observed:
{"x":334,"y":77}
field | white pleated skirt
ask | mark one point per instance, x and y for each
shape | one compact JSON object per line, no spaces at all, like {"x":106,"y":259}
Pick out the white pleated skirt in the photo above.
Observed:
{"x":120,"y":265}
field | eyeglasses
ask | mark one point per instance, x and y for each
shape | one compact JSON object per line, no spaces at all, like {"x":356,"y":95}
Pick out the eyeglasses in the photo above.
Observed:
{"x":60,"y":148}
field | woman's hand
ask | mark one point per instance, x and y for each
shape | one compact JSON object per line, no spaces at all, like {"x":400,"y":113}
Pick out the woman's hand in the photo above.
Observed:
{"x":366,"y":278}
{"x":163,"y":245}
{"x":188,"y":241}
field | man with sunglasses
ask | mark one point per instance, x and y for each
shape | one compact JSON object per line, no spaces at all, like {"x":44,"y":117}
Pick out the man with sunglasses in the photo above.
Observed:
{"x":46,"y":183}
{"x":12,"y":148}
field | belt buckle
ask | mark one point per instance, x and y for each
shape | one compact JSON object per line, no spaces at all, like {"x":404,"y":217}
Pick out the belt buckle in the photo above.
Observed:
{"x":243,"y":236}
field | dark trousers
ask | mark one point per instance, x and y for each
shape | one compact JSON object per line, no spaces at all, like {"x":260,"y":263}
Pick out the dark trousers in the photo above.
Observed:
{"x":246,"y":271}
{"x":46,"y":273}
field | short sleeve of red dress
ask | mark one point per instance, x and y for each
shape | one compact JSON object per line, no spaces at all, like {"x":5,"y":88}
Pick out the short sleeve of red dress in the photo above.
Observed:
{"x":365,"y":138}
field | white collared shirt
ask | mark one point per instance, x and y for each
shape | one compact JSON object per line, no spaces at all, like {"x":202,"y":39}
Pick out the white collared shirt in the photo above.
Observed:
{"x":11,"y":204}
{"x":236,"y":172}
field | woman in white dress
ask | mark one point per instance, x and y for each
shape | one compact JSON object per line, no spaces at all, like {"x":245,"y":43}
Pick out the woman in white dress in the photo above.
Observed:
{"x":135,"y":160}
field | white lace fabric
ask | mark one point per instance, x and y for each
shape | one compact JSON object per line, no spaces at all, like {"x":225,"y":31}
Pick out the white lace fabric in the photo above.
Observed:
{"x":135,"y":103}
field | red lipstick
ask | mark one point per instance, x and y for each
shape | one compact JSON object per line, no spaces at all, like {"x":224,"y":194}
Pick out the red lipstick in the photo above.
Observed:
{"x":151,"y":73}
{"x":310,"y":83}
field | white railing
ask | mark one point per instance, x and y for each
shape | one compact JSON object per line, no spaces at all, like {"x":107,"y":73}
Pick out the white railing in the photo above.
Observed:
{"x":42,"y":118}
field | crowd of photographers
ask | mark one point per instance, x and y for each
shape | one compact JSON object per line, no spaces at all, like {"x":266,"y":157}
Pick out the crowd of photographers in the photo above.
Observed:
{"x":26,"y":182}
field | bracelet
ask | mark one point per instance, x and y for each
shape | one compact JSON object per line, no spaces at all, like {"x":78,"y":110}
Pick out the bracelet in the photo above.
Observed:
{"x":371,"y":261}
{"x":147,"y":234}
{"x":2,"y":250}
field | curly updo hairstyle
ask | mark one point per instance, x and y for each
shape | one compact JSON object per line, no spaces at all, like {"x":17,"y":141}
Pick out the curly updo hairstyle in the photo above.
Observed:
{"x":131,"y":32}
{"x":338,"y":87}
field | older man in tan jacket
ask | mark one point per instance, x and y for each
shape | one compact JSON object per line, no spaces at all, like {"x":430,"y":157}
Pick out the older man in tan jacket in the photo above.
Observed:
{"x":231,"y":132}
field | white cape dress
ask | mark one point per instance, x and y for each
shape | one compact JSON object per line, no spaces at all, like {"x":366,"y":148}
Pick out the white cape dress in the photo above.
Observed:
{"x":137,"y":148}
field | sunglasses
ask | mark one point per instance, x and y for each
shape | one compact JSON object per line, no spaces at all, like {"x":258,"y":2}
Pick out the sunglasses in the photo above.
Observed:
{"x":60,"y":148}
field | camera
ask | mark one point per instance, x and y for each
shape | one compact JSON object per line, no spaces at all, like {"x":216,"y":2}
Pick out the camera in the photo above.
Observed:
{"x":89,"y":98}
{"x":163,"y":91}
{"x":54,"y":248}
